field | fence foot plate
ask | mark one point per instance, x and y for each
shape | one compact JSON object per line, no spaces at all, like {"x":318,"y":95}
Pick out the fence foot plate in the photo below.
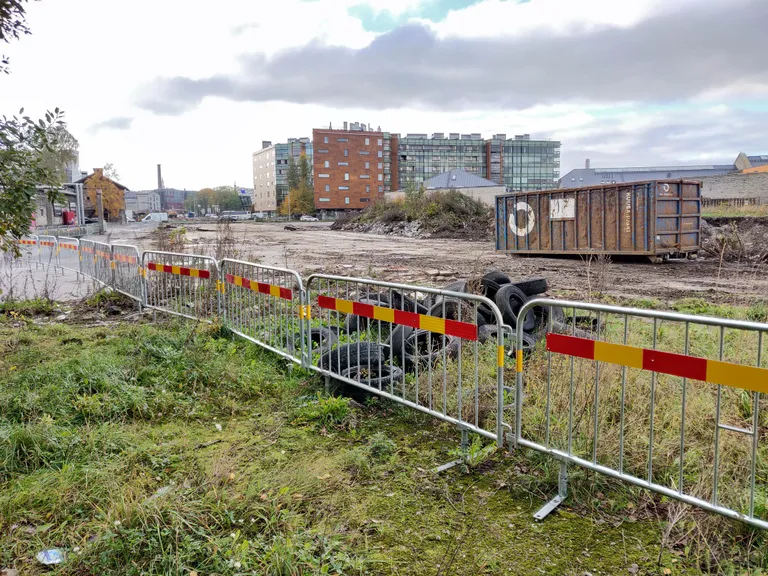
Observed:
{"x":449,"y":465}
{"x":545,"y":510}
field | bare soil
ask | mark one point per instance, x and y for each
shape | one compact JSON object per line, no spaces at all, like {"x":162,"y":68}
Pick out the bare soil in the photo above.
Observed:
{"x":315,"y":248}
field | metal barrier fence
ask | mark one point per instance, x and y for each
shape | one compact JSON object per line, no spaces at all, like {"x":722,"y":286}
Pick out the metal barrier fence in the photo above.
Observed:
{"x":265,"y":305}
{"x":103,"y":259}
{"x":126,"y":270}
{"x":666,"y":401}
{"x":438,"y":352}
{"x":670,"y":402}
{"x":47,"y":248}
{"x":181,"y":284}
{"x":88,"y":258}
{"x":68,"y":254}
{"x":28,"y":246}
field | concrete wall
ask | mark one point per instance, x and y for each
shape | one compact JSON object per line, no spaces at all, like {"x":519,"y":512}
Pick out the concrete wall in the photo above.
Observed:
{"x":736,"y":186}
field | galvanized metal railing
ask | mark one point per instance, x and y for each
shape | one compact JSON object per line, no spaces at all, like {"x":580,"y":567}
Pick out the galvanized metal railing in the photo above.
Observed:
{"x":126,"y":270}
{"x":182,"y":284}
{"x":666,"y":401}
{"x":103,"y":259}
{"x":265,"y":305}
{"x":28,"y":246}
{"x":670,"y":402}
{"x":68,"y":254}
{"x":418,"y":346}
{"x":47,"y":250}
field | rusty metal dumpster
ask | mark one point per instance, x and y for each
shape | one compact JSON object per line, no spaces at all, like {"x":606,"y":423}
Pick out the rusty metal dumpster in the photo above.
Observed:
{"x":650,"y":218}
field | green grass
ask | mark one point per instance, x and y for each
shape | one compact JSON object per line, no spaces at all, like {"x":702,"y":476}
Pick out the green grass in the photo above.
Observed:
{"x":171,"y":448}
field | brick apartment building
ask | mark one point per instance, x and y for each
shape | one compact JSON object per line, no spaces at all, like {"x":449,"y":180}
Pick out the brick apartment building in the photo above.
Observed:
{"x":349,"y":167}
{"x":356,"y":165}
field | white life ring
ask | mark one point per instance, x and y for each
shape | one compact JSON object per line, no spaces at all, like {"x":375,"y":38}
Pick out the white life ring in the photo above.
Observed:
{"x":531,"y":220}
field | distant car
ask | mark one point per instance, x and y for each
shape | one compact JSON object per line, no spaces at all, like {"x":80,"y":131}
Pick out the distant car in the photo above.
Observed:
{"x":258,"y":216}
{"x":91,"y":220}
{"x":308,"y":218}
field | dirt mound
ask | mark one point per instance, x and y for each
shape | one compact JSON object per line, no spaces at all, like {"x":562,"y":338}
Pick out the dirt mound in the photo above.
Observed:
{"x":447,"y":214}
{"x":743,"y":238}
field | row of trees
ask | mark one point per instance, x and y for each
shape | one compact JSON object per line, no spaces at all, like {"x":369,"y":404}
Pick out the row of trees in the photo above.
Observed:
{"x":225,"y":197}
{"x":301,"y":194}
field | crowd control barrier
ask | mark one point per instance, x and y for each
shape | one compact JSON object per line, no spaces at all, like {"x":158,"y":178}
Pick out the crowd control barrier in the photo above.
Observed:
{"x":68,"y":254}
{"x":182,"y":284}
{"x":264,"y":304}
{"x":666,"y":401}
{"x":126,"y":267}
{"x":47,"y":249}
{"x":438,"y":352}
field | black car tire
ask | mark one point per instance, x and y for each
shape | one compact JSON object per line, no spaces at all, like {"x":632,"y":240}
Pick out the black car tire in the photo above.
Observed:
{"x":533,"y":286}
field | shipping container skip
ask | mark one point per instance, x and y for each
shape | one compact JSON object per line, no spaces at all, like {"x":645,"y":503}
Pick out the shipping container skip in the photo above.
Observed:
{"x":658,"y":219}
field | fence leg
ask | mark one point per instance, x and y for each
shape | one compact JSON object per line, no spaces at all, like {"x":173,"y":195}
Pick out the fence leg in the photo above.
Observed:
{"x":327,"y":384}
{"x":562,"y":493}
{"x":464,"y":448}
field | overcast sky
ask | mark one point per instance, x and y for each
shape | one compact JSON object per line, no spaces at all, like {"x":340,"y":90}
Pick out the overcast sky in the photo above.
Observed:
{"x":624,"y":83}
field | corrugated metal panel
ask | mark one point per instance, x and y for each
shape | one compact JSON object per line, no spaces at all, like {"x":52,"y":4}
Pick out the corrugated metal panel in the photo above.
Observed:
{"x":651,"y":218}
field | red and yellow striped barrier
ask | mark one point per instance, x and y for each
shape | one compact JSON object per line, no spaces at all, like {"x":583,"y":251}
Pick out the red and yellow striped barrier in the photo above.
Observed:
{"x":178,"y":270}
{"x":87,"y":249}
{"x":104,"y":255}
{"x":67,"y":246}
{"x":712,"y":371}
{"x":47,"y":243}
{"x":268,"y":289}
{"x":123,"y":258}
{"x":420,"y":321}
{"x":28,"y":242}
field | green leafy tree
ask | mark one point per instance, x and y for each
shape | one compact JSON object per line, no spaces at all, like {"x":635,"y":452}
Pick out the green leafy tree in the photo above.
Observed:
{"x":63,"y":152}
{"x":111,"y":172}
{"x":294,"y":176}
{"x":24,"y":144}
{"x":301,"y":194}
{"x":226,"y":198}
{"x":13,"y":25}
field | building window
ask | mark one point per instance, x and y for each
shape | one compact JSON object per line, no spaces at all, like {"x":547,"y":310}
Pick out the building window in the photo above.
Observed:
{"x":326,"y":164}
{"x":381,"y":166}
{"x":381,"y":188}
{"x":381,"y":177}
{"x":346,"y":152}
{"x":327,"y":187}
{"x":365,"y":176}
{"x":325,"y":140}
{"x":319,"y":152}
{"x":342,"y":139}
{"x":343,"y":187}
{"x":324,"y":199}
{"x":367,"y":141}
{"x":365,"y":199}
{"x":363,"y":152}
{"x":346,"y":176}
{"x":323,"y":175}
{"x":346,"y":200}
{"x":379,"y":141}
{"x":381,"y":154}
{"x":367,"y":187}
{"x":367,"y":165}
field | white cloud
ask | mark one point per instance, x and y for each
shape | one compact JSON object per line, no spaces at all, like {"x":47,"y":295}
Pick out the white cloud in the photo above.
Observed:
{"x":93,"y":57}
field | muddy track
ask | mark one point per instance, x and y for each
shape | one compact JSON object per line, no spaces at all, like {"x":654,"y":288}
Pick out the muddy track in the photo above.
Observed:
{"x":316,"y":248}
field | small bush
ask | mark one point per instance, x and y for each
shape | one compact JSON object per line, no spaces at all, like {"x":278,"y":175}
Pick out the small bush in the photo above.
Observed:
{"x":333,"y":410}
{"x":758,"y":312}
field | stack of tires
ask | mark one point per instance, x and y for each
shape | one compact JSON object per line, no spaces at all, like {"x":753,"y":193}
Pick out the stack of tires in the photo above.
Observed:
{"x":406,"y":349}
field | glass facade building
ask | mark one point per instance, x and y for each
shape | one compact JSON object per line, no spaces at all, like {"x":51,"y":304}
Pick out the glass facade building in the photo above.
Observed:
{"x":519,"y":163}
{"x":292,"y":149}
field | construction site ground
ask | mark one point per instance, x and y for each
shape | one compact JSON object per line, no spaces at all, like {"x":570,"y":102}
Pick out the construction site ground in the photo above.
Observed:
{"x":313,"y":247}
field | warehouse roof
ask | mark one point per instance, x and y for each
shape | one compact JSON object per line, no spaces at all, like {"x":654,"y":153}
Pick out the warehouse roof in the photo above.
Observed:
{"x":457,"y":179}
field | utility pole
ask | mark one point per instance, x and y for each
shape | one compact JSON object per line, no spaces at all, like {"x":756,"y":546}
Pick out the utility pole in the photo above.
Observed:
{"x":100,"y":211}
